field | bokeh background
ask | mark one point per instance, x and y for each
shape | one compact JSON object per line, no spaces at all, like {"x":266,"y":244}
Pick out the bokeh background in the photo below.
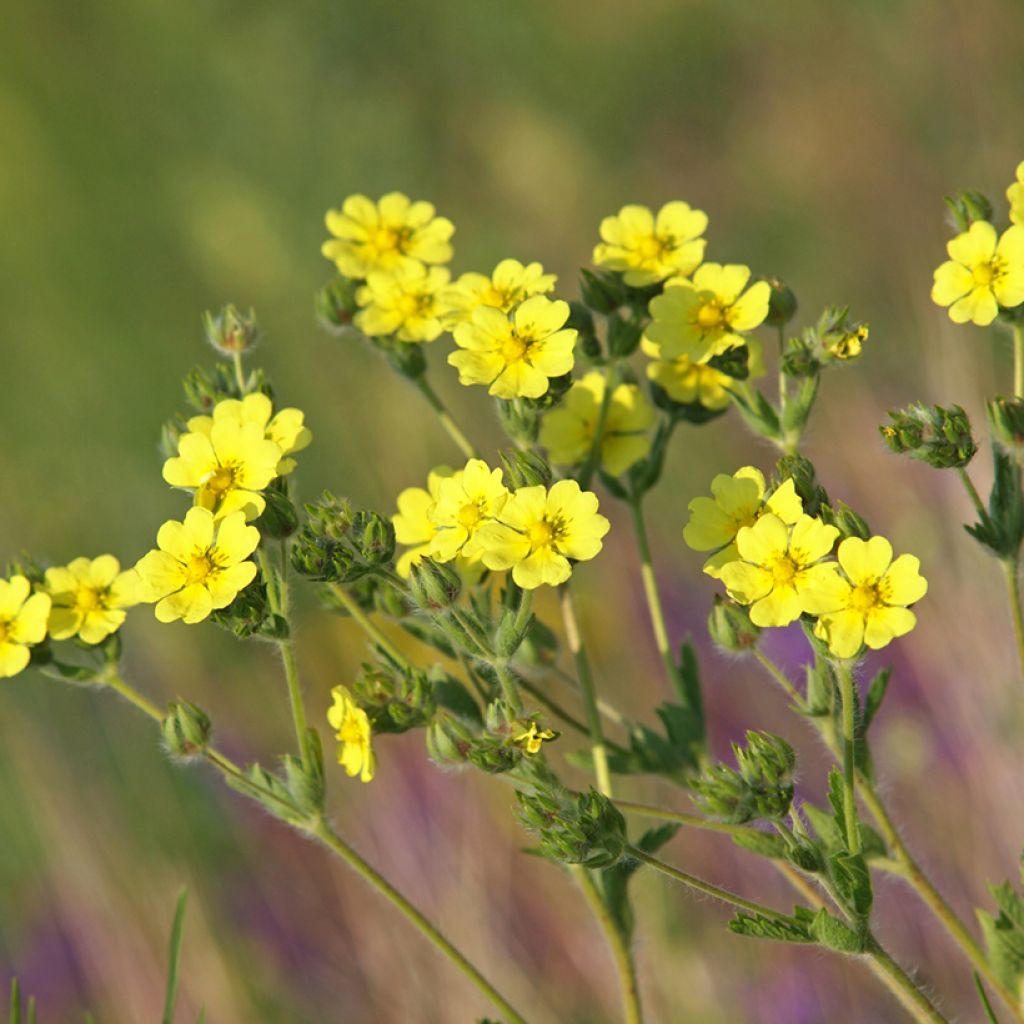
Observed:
{"x":164,"y":158}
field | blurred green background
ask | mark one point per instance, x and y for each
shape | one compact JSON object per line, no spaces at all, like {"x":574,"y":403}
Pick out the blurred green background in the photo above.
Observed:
{"x":164,"y":158}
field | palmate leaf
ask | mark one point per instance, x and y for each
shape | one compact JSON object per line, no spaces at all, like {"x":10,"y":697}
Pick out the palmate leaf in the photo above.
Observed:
{"x":1004,"y":935}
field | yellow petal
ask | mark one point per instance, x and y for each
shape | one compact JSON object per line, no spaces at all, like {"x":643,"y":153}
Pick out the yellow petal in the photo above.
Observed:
{"x":865,"y":562}
{"x":844,"y":633}
{"x":885,"y":624}
{"x":952,"y":281}
{"x":14,"y":658}
{"x":976,"y":245}
{"x":745,"y":582}
{"x":779,"y":608}
{"x":765,"y":541}
{"x":903,"y":584}
{"x":13,"y":593}
{"x":29,"y":626}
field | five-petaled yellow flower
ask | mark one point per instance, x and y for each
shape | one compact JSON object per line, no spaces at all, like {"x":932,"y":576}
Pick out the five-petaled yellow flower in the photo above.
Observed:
{"x":226,"y":463}
{"x":1015,"y":196}
{"x":985,"y":271}
{"x":510,"y":284}
{"x":407,"y":302}
{"x":465,"y":502}
{"x":568,"y":431}
{"x":23,"y":618}
{"x":352,"y":729}
{"x":866,"y":602}
{"x":685,"y":381}
{"x":709,"y":314}
{"x":530,"y":738}
{"x":539,"y":530}
{"x":648,"y":248}
{"x":90,"y":597}
{"x":385,"y":235}
{"x":413,"y":525}
{"x":201,"y":565}
{"x":515,"y":355}
{"x":737,"y":501}
{"x":286,"y":428}
{"x":780,"y":572}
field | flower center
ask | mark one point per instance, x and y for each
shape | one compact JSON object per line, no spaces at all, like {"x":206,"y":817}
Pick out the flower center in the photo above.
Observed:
{"x":470,"y":515}
{"x":88,"y":599}
{"x":651,"y":248}
{"x":864,"y":598}
{"x":710,"y":315}
{"x":542,"y":534}
{"x":222,"y":479}
{"x":351,"y":732}
{"x":514,"y":348}
{"x":783,"y":570}
{"x":198,"y":568}
{"x":385,"y":239}
{"x":6,"y":629}
{"x":499,"y":298}
{"x":985,"y":273}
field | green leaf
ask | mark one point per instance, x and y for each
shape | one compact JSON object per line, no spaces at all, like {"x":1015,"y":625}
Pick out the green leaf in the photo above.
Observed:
{"x":15,"y":1016}
{"x":614,"y":881}
{"x":835,"y":934}
{"x":759,"y":927}
{"x":674,"y":754}
{"x":171,"y":993}
{"x":758,"y":413}
{"x":983,"y":996}
{"x":452,"y":694}
{"x":873,"y":700}
{"x":1004,"y":935}
{"x":852,"y":881}
{"x":765,"y":844}
{"x":1001,"y":528}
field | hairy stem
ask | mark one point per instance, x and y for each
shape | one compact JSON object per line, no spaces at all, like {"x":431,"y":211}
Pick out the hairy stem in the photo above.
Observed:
{"x":849,"y":738}
{"x":1011,"y":568}
{"x":617,"y":944}
{"x":367,"y":624}
{"x":597,"y":747}
{"x":1018,"y":361}
{"x":914,"y":1001}
{"x":653,"y":596}
{"x":444,"y":417}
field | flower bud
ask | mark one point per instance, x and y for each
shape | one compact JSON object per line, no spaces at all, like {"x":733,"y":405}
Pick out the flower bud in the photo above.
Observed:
{"x":336,"y":304}
{"x":602,"y":290}
{"x":280,"y":518}
{"x":761,"y":788}
{"x":848,"y":522}
{"x":1006,"y":421}
{"x":587,"y":829}
{"x":434,"y":586}
{"x":186,"y":729}
{"x":730,"y":627}
{"x":375,"y":537}
{"x":395,"y":700}
{"x":966,"y":207}
{"x":782,"y":304}
{"x":231,"y":332}
{"x":623,"y":336}
{"x":170,"y":434}
{"x":520,"y":420}
{"x":805,"y":481}
{"x":940,"y":437}
{"x":525,"y":468}
{"x":581,"y":321}
{"x":733,"y":362}
{"x":449,"y":740}
{"x":845,"y":345}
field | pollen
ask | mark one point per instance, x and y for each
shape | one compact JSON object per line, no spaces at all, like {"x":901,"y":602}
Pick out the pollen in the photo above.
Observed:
{"x":514,"y":348}
{"x":199,"y":568}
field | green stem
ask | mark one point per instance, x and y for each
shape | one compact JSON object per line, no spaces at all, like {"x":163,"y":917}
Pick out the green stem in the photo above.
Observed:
{"x":606,"y":709}
{"x":617,"y":944}
{"x":239,"y":373}
{"x":326,"y":834}
{"x":906,"y":867}
{"x":1011,"y":567}
{"x":708,"y":888}
{"x":653,"y":596}
{"x":914,"y":1001}
{"x":368,"y":626}
{"x":781,"y":678}
{"x":1018,"y":361}
{"x":691,"y":820}
{"x":337,"y":845}
{"x":509,"y":690}
{"x":597,"y":747}
{"x":593,"y":459}
{"x":445,"y":418}
{"x":849,"y":738}
{"x":972,"y":491}
{"x":782,"y":375}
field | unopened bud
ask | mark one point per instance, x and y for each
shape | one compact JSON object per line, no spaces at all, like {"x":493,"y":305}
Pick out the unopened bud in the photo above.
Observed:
{"x":940,"y":437}
{"x":967,"y":206}
{"x":1006,"y":421}
{"x":434,"y":586}
{"x":186,"y":729}
{"x":602,"y":290}
{"x":525,"y":468}
{"x":230,"y":331}
{"x":730,"y":627}
{"x":336,"y":304}
{"x":782,"y":304}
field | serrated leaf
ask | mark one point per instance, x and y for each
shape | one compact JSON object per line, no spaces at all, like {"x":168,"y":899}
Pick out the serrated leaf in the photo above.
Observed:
{"x":758,"y":413}
{"x":452,"y":695}
{"x":760,"y":927}
{"x":765,"y":844}
{"x":852,"y":880}
{"x":835,"y":934}
{"x":1005,"y":948}
{"x":614,"y":880}
{"x":824,"y":826}
{"x":873,"y":700}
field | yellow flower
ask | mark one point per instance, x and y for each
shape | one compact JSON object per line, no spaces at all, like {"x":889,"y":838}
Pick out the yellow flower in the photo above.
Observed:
{"x":530,"y":738}
{"x":1015,"y":195}
{"x":708,"y":315}
{"x":568,"y":431}
{"x":515,"y":356}
{"x":412,"y":523}
{"x":984,"y":272}
{"x":286,"y":429}
{"x":685,"y":381}
{"x":200,"y":565}
{"x":385,"y":235}
{"x":539,"y":530}
{"x":738,"y":501}
{"x":465,"y":502}
{"x":511,"y":283}
{"x":650,"y":248}
{"x":352,"y":728}
{"x":23,"y":618}
{"x":406,"y":302}
{"x":781,"y":568}
{"x":867,"y":602}
{"x":90,"y":597}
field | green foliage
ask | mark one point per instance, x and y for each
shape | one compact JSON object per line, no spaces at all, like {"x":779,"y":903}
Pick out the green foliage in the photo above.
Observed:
{"x":757,"y":926}
{"x":584,"y":829}
{"x":614,"y":880}
{"x":932,"y":434}
{"x":341,"y":545}
{"x":177,"y":930}
{"x":1001,"y":527}
{"x":1004,"y":934}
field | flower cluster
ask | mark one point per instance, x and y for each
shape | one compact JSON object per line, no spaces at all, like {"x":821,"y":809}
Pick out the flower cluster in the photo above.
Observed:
{"x":472,"y":517}
{"x":776,"y":559}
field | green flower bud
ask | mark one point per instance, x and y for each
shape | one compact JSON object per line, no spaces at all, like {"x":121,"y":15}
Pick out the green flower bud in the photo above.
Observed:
{"x":231,"y":332}
{"x":186,"y":729}
{"x":336,"y":304}
{"x":170,"y":433}
{"x":587,"y":829}
{"x":525,"y":468}
{"x":940,"y":437}
{"x":520,"y":419}
{"x":280,"y":518}
{"x":434,"y":586}
{"x":848,"y":522}
{"x":730,"y":627}
{"x":404,"y":357}
{"x":966,"y":207}
{"x":733,"y":362}
{"x":602,"y":290}
{"x":782,"y":304}
{"x":805,"y":481}
{"x":376,"y":537}
{"x":394,"y":699}
{"x":206,"y":386}
{"x":623,"y":336}
{"x":582,"y":321}
{"x":449,"y":740}
{"x":1006,"y":421}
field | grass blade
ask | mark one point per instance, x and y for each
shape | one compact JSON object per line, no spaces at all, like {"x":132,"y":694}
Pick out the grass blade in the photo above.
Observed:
{"x":172,"y":969}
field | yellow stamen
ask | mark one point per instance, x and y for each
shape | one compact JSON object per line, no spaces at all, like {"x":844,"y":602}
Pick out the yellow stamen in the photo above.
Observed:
{"x":783,"y":570}
{"x":514,"y":348}
{"x":198,"y":568}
